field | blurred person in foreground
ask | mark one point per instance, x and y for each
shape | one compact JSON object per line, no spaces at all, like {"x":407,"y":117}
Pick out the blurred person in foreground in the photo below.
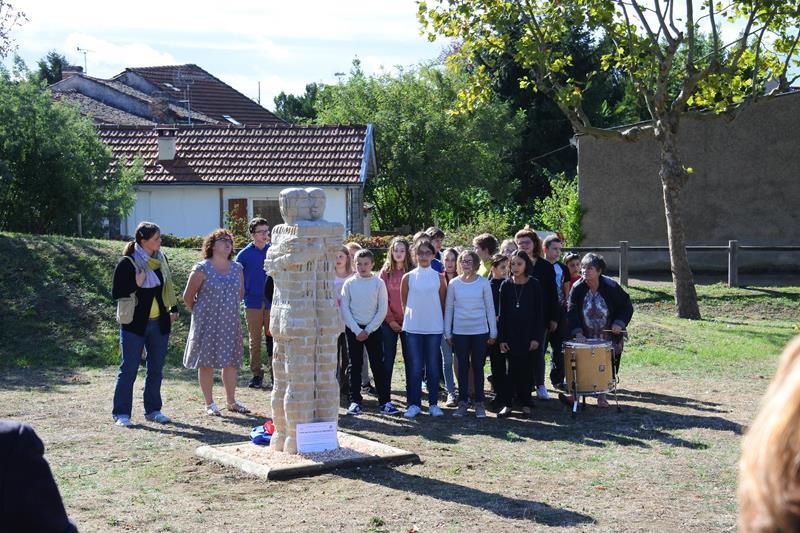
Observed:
{"x":769,"y":469}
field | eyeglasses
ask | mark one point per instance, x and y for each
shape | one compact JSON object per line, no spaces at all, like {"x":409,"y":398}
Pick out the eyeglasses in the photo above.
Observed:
{"x":466,"y":261}
{"x":424,"y":254}
{"x":224,"y":239}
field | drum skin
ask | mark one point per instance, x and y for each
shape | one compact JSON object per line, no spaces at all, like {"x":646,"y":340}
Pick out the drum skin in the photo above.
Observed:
{"x":593,"y":359}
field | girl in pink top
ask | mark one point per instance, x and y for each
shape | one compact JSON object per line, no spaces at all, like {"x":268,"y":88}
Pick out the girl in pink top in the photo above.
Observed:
{"x":398,"y":262}
{"x":344,"y":270}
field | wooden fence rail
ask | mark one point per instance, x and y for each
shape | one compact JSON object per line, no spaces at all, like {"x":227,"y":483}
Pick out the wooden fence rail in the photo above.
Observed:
{"x":624,"y":249}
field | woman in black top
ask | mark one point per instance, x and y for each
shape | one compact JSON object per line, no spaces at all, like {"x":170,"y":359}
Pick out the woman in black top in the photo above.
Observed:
{"x":599,"y":309}
{"x":529,"y":242}
{"x":143,"y":270}
{"x":521,"y":328}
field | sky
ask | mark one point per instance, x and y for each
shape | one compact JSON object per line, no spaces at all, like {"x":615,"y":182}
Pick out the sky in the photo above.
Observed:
{"x":282,"y":44}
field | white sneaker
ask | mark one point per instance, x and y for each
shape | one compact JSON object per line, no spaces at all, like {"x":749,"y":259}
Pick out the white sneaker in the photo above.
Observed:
{"x":123,"y":421}
{"x":434,"y":410}
{"x":412,"y":411}
{"x":541,"y":393}
{"x":212,"y":409}
{"x":452,"y":401}
{"x":354,"y":409}
{"x":158,"y":416}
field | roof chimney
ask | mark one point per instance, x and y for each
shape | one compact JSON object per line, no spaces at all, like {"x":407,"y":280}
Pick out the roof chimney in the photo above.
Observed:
{"x":67,"y":71}
{"x":166,"y":142}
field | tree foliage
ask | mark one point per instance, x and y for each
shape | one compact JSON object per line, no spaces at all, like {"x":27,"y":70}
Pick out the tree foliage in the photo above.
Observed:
{"x":434,"y":165}
{"x":561,"y":211}
{"x":51,"y":65}
{"x":298,"y":109}
{"x":10,"y":18}
{"x":656,"y":45}
{"x":53,"y":167}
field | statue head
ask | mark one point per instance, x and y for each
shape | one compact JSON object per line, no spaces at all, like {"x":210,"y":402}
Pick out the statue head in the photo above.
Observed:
{"x":316,"y":197}
{"x":294,"y":204}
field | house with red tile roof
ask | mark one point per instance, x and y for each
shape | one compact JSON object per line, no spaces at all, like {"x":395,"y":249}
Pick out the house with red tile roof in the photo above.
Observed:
{"x":209,"y":150}
{"x":194,"y":174}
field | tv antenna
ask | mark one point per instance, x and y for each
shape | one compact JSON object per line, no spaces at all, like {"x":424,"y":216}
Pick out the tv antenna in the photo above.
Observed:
{"x":84,"y":51}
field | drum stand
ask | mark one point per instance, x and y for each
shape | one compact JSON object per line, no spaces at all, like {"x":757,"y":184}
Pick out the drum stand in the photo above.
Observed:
{"x":575,"y":395}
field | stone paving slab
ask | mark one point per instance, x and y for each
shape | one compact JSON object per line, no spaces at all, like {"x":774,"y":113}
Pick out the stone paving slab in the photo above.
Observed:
{"x":269,"y":464}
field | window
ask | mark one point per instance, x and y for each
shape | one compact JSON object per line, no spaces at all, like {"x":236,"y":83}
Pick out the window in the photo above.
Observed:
{"x":269,"y":210}
{"x":232,"y":120}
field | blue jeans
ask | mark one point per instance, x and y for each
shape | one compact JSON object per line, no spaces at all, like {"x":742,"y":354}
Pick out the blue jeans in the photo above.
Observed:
{"x":471,"y":353}
{"x":132,"y":345}
{"x":447,"y":368}
{"x":390,"y":350}
{"x":422,"y":357}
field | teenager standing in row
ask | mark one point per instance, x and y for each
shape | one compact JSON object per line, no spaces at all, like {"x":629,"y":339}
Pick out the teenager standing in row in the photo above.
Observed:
{"x":528,"y":241}
{"x":521,"y":330}
{"x":423,"y":293}
{"x":469,"y":326}
{"x":397,"y":264}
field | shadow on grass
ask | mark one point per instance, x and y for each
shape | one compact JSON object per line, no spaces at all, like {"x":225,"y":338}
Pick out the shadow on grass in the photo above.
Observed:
{"x":635,"y":425}
{"x":504,"y":506}
{"x":202,"y":434}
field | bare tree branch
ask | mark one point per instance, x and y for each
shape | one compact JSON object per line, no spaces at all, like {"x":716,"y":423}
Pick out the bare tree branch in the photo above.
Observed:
{"x":784,"y":84}
{"x":643,"y":20}
{"x":745,"y":35}
{"x":690,"y":30}
{"x":662,"y":23}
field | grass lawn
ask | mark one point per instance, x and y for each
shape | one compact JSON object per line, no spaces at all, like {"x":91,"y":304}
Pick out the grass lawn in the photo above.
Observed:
{"x":666,"y":462}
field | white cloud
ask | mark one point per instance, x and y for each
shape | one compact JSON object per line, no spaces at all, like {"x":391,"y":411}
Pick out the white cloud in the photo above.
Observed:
{"x":105,"y":56}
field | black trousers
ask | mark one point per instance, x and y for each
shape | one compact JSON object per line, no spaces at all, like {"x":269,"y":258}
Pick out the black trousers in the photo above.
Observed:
{"x":374,"y":346}
{"x":500,"y":375}
{"x":520,"y":369}
{"x":342,"y":360}
{"x":556,"y":342}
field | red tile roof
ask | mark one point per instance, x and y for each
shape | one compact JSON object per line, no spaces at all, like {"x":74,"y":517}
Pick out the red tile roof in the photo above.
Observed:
{"x":208,"y":94}
{"x":217,"y":154}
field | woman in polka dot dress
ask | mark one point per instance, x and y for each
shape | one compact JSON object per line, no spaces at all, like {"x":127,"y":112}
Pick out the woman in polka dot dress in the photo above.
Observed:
{"x":213,"y":292}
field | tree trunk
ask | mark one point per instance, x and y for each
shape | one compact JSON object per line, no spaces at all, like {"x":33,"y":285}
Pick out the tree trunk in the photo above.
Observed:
{"x":673,"y":177}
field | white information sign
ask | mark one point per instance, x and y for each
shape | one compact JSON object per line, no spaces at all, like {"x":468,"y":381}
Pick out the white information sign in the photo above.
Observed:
{"x":316,"y":437}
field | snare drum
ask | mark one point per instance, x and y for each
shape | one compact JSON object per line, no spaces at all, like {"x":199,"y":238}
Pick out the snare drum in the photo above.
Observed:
{"x":592,"y":371}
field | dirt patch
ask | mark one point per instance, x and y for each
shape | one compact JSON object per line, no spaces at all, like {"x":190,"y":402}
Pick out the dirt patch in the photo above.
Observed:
{"x":666,"y":462}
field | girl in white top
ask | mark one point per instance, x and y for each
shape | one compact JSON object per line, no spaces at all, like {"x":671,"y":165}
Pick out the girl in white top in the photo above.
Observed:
{"x":423,"y":292}
{"x":470,"y":325}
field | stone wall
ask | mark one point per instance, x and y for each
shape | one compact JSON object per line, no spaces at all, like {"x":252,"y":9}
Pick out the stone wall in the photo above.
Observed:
{"x":745,"y":186}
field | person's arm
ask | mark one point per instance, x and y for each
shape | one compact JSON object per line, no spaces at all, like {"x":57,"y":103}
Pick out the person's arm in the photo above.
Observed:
{"x":623,"y":309}
{"x":404,"y":291}
{"x":574,"y":309}
{"x":193,"y":284}
{"x":124,"y":280}
{"x":502,"y":318}
{"x":549,"y":294}
{"x":449,"y":310}
{"x":488,"y":305}
{"x":241,"y":284}
{"x":442,"y":292}
{"x":347,"y":314}
{"x":383,"y":306}
{"x":538,"y":313}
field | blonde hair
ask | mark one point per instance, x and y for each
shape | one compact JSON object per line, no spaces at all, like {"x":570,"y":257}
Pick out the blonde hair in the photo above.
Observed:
{"x":769,"y":469}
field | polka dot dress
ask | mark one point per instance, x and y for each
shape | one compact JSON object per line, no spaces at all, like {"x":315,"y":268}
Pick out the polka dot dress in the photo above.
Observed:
{"x":215,"y":336}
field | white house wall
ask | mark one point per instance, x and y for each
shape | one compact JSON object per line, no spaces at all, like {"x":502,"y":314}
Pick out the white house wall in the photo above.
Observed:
{"x":188,"y":211}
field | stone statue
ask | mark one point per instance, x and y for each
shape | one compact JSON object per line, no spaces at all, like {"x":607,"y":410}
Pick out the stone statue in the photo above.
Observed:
{"x":304,"y":317}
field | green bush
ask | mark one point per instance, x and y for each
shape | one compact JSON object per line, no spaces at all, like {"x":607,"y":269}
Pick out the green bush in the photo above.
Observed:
{"x":485,"y":222}
{"x":561,"y":211}
{"x":173,"y":241}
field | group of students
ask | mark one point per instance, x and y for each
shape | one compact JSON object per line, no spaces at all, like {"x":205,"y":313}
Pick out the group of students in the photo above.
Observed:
{"x":449,"y":310}
{"x":452,"y":308}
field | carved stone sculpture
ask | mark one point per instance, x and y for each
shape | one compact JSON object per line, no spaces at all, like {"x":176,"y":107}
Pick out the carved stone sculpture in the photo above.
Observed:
{"x":304,"y":317}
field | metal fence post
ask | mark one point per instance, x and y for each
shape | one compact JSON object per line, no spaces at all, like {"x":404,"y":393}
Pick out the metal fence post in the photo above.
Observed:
{"x":623,"y":263}
{"x":733,"y":265}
